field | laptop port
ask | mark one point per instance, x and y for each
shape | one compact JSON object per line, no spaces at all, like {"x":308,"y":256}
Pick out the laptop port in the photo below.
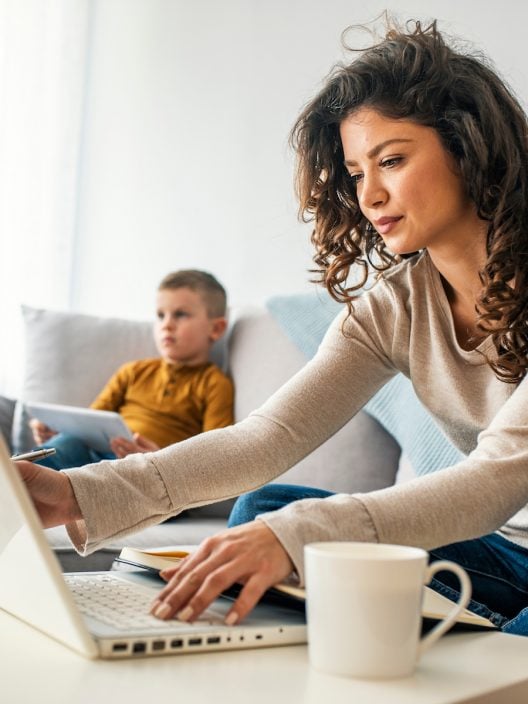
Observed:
{"x":213,"y":640}
{"x":195,"y":641}
{"x":176,"y":643}
{"x":120,"y":647}
{"x":139,"y":647}
{"x":158,"y":645}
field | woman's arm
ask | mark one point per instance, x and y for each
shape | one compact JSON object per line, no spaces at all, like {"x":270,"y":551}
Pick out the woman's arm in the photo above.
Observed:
{"x":473,"y":498}
{"x":124,"y":496}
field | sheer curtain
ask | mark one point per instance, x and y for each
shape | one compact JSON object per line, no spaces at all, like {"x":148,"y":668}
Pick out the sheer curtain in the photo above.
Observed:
{"x":44,"y":47}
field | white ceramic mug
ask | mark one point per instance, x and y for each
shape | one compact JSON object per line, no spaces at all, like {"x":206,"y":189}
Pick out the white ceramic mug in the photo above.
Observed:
{"x":363,"y":604}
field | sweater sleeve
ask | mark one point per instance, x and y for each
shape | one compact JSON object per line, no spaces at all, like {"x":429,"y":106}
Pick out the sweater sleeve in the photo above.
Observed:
{"x":470,"y":499}
{"x":121,"y":496}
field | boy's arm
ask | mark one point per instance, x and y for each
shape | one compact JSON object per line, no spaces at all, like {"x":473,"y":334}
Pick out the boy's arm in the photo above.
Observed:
{"x":219,"y":401}
{"x":112,"y":395}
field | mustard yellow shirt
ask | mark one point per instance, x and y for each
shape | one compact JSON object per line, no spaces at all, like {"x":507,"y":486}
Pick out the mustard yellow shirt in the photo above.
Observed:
{"x":166,"y":402}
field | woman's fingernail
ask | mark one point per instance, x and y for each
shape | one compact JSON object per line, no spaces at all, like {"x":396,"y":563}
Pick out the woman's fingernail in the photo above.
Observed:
{"x":162,"y":611}
{"x":231,"y":618}
{"x":185,"y":614}
{"x":154,"y":606}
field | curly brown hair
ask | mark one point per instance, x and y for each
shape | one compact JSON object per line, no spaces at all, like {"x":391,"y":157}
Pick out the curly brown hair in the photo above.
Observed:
{"x":413,"y":74}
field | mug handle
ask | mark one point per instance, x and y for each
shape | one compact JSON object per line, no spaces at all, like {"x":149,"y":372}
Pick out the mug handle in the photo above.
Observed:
{"x":465,"y":595}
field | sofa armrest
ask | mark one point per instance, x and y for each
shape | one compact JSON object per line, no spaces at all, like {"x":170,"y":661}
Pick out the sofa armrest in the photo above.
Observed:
{"x":7,"y":414}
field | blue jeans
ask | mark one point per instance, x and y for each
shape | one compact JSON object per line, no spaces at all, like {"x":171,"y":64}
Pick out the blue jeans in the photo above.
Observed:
{"x":71,"y":452}
{"x":498,"y":568}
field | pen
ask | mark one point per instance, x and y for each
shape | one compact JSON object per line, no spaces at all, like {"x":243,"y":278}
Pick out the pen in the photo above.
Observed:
{"x":35,"y":454}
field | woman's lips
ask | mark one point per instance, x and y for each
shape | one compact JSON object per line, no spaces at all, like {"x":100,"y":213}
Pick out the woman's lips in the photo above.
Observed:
{"x":385,"y":225}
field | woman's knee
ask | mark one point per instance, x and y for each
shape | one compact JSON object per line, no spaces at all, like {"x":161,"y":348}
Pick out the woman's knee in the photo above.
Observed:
{"x":247,"y":507}
{"x":270,"y":497}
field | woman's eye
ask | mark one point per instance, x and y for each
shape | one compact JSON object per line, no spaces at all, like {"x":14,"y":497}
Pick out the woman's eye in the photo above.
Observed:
{"x":390,"y":162}
{"x":355,"y":178}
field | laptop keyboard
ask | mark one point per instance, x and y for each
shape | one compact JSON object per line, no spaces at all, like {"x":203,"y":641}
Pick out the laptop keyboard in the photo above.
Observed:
{"x":124,"y":605}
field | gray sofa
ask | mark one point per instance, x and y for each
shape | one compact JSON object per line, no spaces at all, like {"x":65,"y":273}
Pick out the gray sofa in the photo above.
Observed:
{"x":70,"y":356}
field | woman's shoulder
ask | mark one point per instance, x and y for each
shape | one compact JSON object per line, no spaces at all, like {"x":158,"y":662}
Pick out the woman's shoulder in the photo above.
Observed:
{"x":406,"y":281}
{"x":398,"y":294}
{"x":408,"y":271}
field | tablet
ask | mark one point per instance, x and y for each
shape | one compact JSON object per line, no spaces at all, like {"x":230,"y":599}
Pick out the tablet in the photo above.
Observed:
{"x":94,"y":428}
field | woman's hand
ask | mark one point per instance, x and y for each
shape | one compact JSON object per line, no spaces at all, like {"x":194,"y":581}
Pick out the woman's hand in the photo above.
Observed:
{"x":122,"y":447}
{"x":40,"y":431}
{"x":249,"y":554}
{"x":51,"y":492}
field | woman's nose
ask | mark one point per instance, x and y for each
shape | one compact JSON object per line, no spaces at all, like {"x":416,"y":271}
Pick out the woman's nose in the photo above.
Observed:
{"x":372,"y":193}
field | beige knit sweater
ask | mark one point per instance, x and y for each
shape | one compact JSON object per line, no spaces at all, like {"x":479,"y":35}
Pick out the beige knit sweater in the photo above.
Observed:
{"x":403,"y":324}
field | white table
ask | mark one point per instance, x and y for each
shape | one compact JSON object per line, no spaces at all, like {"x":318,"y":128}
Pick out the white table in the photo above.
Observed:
{"x":488,"y":668}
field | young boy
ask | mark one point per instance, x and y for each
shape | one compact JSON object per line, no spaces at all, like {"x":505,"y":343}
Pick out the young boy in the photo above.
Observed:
{"x":166,"y":399}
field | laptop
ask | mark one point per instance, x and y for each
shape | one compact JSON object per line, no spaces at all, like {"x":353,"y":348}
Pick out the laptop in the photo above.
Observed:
{"x":105,"y":614}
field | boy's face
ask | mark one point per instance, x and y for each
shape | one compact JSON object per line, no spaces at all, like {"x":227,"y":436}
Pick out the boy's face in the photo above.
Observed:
{"x":183,"y":330}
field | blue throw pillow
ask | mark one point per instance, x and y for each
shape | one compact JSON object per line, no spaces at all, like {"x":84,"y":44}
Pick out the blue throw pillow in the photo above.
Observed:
{"x":305,"y":319}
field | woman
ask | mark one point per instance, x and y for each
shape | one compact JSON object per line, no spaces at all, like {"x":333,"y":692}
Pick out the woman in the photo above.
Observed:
{"x":413,"y":164}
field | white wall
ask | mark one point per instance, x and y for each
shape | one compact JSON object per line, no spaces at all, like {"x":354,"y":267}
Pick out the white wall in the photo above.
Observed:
{"x":184,"y":155}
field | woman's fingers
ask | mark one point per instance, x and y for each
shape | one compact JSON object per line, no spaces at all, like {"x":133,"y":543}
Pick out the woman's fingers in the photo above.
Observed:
{"x":249,"y":554}
{"x":177,"y":590}
{"x":249,"y":597}
{"x":194,"y":593}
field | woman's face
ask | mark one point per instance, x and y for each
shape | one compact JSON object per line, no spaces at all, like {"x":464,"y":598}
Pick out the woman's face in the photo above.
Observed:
{"x":408,"y":185}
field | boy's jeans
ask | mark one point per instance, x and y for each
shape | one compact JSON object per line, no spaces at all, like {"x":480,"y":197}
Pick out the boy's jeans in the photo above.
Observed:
{"x":498,"y":568}
{"x":71,"y":452}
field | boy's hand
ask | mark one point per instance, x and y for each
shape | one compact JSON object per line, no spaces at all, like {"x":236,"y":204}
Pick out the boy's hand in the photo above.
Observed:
{"x":40,"y":431}
{"x":51,"y":492}
{"x":123,"y":447}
